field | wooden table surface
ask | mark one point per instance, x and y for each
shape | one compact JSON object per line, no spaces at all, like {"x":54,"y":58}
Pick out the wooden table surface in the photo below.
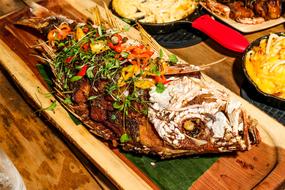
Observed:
{"x":42,"y":156}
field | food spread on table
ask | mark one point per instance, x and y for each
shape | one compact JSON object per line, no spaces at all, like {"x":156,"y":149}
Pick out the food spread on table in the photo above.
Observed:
{"x":265,"y":65}
{"x":246,"y":12}
{"x":132,"y":95}
{"x":154,"y":11}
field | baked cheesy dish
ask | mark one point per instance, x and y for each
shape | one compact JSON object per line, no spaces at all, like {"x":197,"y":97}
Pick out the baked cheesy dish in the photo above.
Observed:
{"x":154,"y":11}
{"x":265,"y":64}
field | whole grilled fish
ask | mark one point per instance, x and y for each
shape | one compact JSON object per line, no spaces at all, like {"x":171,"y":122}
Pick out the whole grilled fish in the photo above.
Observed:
{"x":140,"y":99}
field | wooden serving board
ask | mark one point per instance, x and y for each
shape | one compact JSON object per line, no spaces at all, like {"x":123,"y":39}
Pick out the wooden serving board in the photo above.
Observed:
{"x":247,"y":28}
{"x":263,"y":167}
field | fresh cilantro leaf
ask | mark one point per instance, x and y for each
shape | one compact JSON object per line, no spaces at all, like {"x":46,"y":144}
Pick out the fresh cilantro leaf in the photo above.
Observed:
{"x":75,"y":78}
{"x":61,"y":44}
{"x":118,"y":106}
{"x":90,"y":73}
{"x":126,"y":28}
{"x":92,"y":97}
{"x":160,"y":87}
{"x":113,"y":117}
{"x":173,"y":59}
{"x":127,"y":21}
{"x":124,"y":138}
{"x":160,"y":53}
{"x":145,"y":111}
{"x":100,"y":32}
{"x":124,"y":54}
{"x":67,"y":100}
{"x":92,"y":41}
{"x":51,"y":107}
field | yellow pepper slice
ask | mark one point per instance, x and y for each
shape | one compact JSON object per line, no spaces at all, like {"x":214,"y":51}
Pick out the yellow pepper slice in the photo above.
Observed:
{"x":79,"y":34}
{"x":145,"y":83}
{"x":98,"y":47}
{"x":127,"y":72}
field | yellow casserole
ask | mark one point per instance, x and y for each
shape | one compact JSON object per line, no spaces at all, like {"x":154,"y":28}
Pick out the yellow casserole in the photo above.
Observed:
{"x":265,"y":64}
{"x":154,"y":11}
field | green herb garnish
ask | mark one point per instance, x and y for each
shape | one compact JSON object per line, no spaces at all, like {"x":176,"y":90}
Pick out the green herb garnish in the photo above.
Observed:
{"x":160,"y":54}
{"x":92,"y":97}
{"x":51,"y":107}
{"x":75,"y":78}
{"x":124,"y":138}
{"x":160,"y":88}
{"x":113,"y":117}
{"x":67,"y":100}
{"x":173,"y":59}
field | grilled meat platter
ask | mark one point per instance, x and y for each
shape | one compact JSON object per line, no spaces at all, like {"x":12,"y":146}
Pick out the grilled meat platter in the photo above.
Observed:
{"x":135,"y":95}
{"x":248,"y":11}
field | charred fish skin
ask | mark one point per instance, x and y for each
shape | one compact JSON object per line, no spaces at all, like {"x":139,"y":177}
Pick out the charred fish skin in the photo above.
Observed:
{"x":128,"y":95}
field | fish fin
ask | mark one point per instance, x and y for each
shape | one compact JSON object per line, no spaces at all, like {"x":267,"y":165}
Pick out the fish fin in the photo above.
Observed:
{"x":37,"y":9}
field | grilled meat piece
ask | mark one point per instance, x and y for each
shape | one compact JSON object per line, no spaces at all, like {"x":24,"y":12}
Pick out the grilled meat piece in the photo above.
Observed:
{"x":218,"y":8}
{"x":268,"y":9}
{"x":81,"y":93}
{"x":240,"y":11}
{"x":247,"y":11}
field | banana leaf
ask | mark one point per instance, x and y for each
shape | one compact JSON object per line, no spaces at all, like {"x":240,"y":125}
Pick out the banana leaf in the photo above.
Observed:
{"x":171,"y":174}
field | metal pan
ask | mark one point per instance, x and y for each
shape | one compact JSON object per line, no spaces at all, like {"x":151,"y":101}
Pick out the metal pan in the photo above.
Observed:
{"x":222,"y":34}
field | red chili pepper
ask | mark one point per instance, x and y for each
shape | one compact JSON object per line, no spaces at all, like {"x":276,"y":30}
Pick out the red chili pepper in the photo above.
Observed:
{"x":149,"y":52}
{"x":161,"y":79}
{"x":118,"y":49}
{"x":69,"y":59}
{"x":85,"y":30}
{"x":119,"y":57}
{"x":83,"y":70}
{"x":145,"y":62}
{"x":85,"y":46}
{"x":112,"y":46}
{"x":59,"y":35}
{"x":134,"y":62}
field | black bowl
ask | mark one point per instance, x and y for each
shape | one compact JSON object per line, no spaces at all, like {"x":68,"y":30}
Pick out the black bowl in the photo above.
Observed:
{"x":162,"y":28}
{"x":262,"y":96}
